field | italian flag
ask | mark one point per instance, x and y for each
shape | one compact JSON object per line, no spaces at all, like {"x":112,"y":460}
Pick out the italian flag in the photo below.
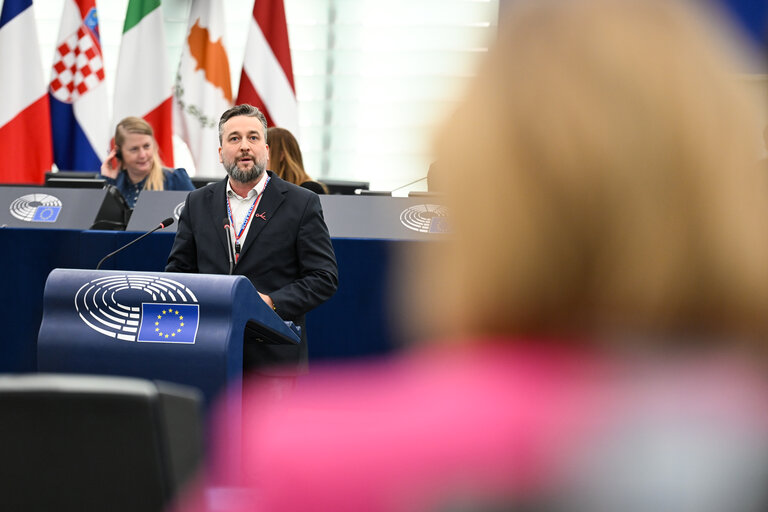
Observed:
{"x":142,"y":82}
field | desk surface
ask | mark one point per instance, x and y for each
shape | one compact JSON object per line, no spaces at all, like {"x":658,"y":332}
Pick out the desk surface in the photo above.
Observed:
{"x":49,"y":208}
{"x":388,"y":218}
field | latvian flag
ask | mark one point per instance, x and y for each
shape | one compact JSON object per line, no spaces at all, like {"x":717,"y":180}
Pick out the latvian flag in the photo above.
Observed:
{"x":267,"y":78}
{"x":24,"y":114}
{"x":78,"y":92}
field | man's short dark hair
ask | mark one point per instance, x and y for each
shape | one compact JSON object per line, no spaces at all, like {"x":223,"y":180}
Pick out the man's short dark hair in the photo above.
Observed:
{"x":242,"y":110}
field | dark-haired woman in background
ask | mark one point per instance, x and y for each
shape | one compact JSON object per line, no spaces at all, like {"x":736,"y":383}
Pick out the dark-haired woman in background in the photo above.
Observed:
{"x":286,"y":161}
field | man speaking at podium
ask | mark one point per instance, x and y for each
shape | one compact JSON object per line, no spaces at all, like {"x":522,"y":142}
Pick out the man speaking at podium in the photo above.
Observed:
{"x":280,"y":240}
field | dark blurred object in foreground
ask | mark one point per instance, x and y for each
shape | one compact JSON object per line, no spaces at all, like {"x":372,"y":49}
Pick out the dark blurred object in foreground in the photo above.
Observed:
{"x":72,"y":442}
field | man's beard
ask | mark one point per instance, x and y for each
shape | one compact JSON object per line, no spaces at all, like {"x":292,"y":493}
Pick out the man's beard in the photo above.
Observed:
{"x":248,"y":175}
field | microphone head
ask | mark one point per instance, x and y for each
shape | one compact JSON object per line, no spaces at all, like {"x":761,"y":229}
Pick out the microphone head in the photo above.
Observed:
{"x":167,"y":222}
{"x":226,"y":223}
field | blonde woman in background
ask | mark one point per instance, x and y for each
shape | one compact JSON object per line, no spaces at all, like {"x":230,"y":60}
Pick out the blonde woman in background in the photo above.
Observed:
{"x":139,"y":166}
{"x":286,"y":161}
{"x":598,"y":305}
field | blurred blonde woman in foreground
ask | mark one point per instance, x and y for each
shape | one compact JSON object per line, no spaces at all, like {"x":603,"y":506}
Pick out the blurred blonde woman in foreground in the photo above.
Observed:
{"x":596,"y":307}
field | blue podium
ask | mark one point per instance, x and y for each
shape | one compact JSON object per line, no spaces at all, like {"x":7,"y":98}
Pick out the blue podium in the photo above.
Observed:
{"x":184,"y":328}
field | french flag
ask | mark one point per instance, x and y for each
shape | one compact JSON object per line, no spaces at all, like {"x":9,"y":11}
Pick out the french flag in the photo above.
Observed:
{"x":78,"y":92}
{"x":24,"y":112}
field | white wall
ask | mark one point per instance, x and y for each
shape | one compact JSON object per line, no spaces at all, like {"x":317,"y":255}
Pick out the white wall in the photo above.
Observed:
{"x":373,"y":77}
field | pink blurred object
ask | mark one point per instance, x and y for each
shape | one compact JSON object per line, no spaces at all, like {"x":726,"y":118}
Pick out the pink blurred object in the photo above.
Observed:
{"x":490,"y":422}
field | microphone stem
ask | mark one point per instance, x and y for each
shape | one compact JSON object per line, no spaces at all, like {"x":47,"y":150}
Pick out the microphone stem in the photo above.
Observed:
{"x":230,"y":243}
{"x":408,"y":184}
{"x":126,"y":246}
{"x":230,"y":249}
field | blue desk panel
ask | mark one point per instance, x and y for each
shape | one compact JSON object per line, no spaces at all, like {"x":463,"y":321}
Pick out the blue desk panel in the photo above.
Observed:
{"x":355,"y":322}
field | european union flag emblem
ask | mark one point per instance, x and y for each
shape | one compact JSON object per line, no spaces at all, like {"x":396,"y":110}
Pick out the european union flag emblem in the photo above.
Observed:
{"x":46,"y":214}
{"x":168,"y":323}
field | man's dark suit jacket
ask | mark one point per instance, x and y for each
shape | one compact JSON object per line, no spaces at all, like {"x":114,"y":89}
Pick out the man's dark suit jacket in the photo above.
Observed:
{"x":287,"y":255}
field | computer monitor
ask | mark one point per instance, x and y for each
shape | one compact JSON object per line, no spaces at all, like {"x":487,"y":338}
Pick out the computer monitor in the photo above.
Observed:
{"x":364,"y":192}
{"x":74,"y":179}
{"x":345,"y":187}
{"x":201,"y":181}
{"x":74,"y":183}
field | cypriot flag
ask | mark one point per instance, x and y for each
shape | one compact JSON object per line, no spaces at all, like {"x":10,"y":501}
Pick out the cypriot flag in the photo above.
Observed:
{"x":203,"y":90}
{"x":142,"y":54}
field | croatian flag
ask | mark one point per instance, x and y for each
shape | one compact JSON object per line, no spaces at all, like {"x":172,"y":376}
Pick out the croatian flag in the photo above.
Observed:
{"x":78,"y":92}
{"x":24,"y":114}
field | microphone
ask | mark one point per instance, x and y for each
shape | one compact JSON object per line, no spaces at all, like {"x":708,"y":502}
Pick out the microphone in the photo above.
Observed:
{"x":230,"y":245}
{"x":167,"y":222}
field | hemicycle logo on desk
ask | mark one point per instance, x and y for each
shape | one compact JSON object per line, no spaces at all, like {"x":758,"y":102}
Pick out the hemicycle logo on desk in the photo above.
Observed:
{"x":36,"y":208}
{"x":177,"y":210}
{"x":114,"y":306}
{"x":425,"y":218}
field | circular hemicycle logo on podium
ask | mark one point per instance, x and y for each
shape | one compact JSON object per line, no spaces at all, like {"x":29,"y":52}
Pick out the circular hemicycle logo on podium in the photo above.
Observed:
{"x":425,"y":218}
{"x":136,"y":307}
{"x":36,"y":208}
{"x":177,"y":210}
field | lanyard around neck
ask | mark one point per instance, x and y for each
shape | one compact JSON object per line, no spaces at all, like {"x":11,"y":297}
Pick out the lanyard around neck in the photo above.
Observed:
{"x":239,"y":233}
